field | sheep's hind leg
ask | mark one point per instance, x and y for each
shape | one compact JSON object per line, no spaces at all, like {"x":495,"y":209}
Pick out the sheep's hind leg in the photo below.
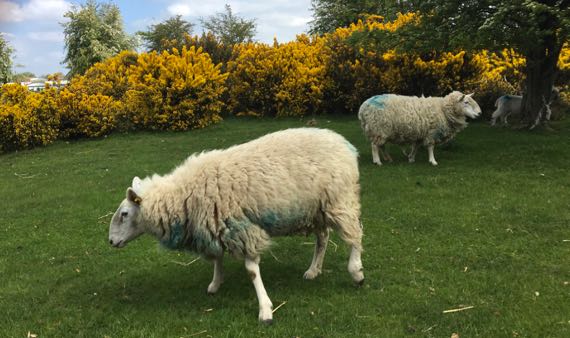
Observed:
{"x":505,"y":122}
{"x":320,"y":249}
{"x":375,"y":155}
{"x":265,"y":305}
{"x":412,"y":154}
{"x":430,"y":153}
{"x":347,"y":224}
{"x":218,"y":278}
{"x":385,"y":154}
{"x":496,"y":115}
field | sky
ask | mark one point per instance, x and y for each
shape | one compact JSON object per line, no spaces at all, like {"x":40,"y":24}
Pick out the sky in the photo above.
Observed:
{"x":33,"y":28}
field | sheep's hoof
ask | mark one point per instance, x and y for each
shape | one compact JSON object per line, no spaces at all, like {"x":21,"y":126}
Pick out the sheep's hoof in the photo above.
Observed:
{"x":267,"y":321}
{"x":212,"y":289}
{"x":434,"y":163}
{"x":311,"y":274}
{"x":360,"y":283}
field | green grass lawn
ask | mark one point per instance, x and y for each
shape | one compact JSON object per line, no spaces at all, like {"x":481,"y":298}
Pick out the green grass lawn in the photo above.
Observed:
{"x":489,"y":228}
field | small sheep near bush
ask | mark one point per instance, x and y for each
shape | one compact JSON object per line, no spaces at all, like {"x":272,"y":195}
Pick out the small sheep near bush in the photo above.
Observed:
{"x":510,"y":105}
{"x":414,"y":120}
{"x":297,"y":181}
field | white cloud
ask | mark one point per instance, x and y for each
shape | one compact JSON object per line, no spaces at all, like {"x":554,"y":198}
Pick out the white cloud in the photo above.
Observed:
{"x":41,"y":10}
{"x":46,"y":36}
{"x":10,"y":11}
{"x":179,"y":9}
{"x":142,"y":24}
{"x":299,"y":21}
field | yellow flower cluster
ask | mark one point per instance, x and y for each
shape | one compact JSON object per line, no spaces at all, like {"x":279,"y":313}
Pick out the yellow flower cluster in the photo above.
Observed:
{"x":377,"y":22}
{"x":85,"y":115}
{"x":281,"y":80}
{"x":564,"y":76}
{"x":27,"y":119}
{"x":564,"y":59}
{"x":174,"y":91}
{"x":107,"y":78}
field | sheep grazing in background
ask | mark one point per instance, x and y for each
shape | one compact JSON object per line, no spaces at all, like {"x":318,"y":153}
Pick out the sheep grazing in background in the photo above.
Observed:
{"x":414,"y":120}
{"x":506,"y":105}
{"x":297,"y":181}
{"x":510,"y":105}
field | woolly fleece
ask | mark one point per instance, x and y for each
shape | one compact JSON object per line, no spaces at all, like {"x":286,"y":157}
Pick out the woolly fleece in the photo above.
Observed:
{"x":297,"y":181}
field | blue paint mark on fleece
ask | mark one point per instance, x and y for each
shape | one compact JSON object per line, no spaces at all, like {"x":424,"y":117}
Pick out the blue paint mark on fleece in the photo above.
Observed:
{"x":205,"y":244}
{"x":506,"y":97}
{"x":281,"y":223}
{"x":378,"y":101}
{"x":175,"y":238}
{"x":199,"y":241}
{"x":440,"y":135}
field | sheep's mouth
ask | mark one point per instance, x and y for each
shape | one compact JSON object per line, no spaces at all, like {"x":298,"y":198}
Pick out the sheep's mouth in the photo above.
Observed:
{"x":118,"y":244}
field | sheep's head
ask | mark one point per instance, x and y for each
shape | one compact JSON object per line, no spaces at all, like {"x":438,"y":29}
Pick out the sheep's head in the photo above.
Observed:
{"x":465,"y":105}
{"x":125,"y":225}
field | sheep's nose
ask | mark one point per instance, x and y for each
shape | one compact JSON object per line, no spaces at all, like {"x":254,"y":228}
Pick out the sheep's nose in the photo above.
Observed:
{"x":111,"y":241}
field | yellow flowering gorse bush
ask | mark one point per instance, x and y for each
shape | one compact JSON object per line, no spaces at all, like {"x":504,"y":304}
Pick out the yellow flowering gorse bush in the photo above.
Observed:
{"x":281,"y":80}
{"x":175,"y":91}
{"x":27,"y":119}
{"x":168,"y":91}
{"x":184,"y":89}
{"x":85,"y":115}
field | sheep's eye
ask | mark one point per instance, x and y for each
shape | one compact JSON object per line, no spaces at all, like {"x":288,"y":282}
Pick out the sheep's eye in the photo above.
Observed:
{"x":124,"y":214}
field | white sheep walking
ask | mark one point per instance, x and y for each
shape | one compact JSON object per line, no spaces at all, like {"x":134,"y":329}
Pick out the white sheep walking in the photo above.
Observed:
{"x":297,"y":181}
{"x":414,"y":120}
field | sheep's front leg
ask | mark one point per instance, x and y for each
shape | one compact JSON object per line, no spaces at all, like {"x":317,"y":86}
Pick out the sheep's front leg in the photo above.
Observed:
{"x":355,"y":265}
{"x":375,"y":155}
{"x":218,"y":278}
{"x":265,"y":305}
{"x":319,"y":255}
{"x":430,"y":153}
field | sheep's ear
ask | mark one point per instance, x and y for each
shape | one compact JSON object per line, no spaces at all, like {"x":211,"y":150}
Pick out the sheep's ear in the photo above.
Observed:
{"x":136,"y":185}
{"x":462,"y":97}
{"x":470,"y":95}
{"x":133,"y":197}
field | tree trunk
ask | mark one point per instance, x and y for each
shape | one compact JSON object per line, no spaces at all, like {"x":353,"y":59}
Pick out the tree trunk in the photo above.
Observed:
{"x":540,"y":76}
{"x":541,"y":71}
